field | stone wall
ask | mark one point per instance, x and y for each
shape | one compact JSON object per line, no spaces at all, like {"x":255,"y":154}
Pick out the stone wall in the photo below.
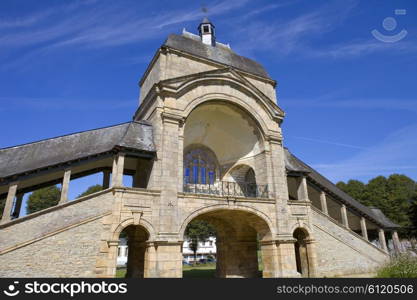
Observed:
{"x":340,"y":252}
{"x":61,"y":241}
{"x":71,"y":253}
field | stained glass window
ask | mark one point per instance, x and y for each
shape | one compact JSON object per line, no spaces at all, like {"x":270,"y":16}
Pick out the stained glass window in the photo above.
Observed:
{"x":200,"y":166}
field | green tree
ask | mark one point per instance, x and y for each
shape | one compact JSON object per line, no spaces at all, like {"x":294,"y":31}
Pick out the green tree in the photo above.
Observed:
{"x":393,"y":195}
{"x":401,"y":191}
{"x":413,"y":217}
{"x":198,"y":231}
{"x":92,"y":189}
{"x":354,"y":188}
{"x":43,"y":198}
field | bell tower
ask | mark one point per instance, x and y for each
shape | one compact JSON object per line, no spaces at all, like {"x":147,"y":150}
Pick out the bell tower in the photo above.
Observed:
{"x":206,"y":30}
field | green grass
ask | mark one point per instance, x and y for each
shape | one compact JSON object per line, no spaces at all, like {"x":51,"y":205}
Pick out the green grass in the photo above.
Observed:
{"x":120,"y":273}
{"x":207,"y":270}
{"x":400,"y":267}
{"x":199,"y":271}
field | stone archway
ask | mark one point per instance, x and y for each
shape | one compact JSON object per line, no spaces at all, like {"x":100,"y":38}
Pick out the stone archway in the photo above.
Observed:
{"x":137,"y":237}
{"x":304,"y":252}
{"x":239,"y":237}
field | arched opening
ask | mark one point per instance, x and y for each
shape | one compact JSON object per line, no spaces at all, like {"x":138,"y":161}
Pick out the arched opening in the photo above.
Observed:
{"x":245,"y":179}
{"x":200,"y":165}
{"x":301,"y":252}
{"x":238,"y":237}
{"x":132,"y":252}
{"x":223,"y":150}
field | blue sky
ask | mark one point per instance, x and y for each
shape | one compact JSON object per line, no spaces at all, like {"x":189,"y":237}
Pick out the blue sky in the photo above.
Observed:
{"x":350,"y":99}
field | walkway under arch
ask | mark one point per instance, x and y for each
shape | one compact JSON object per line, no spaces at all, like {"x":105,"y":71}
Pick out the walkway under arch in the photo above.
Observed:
{"x":238,"y":236}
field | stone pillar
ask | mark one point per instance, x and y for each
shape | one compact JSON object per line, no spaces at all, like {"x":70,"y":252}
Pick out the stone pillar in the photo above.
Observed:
{"x":168,"y":210}
{"x":269,"y":259}
{"x":118,"y":168}
{"x":302,"y":191}
{"x":343,"y":212}
{"x":18,"y":206}
{"x":138,"y":175}
{"x":65,"y":186}
{"x":363,"y":228}
{"x":151,"y":261}
{"x":181,"y":158}
{"x":286,"y":258}
{"x":9,"y":203}
{"x":143,"y":170}
{"x":111,"y":261}
{"x":396,"y":242}
{"x":106,"y":179}
{"x":114,"y":171}
{"x":323,"y":202}
{"x":280,"y":186}
{"x":168,"y":259}
{"x":311,"y":257}
{"x":382,"y":240}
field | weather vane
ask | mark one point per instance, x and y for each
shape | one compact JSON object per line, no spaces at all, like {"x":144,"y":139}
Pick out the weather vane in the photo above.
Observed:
{"x":204,"y":9}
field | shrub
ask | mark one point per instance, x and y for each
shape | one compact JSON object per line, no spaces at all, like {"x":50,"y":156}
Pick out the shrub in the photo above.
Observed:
{"x":403,"y":266}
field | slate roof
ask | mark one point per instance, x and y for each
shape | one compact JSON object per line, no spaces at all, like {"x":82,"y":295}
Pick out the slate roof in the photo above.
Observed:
{"x":54,"y":151}
{"x":219,"y":53}
{"x":293,"y":164}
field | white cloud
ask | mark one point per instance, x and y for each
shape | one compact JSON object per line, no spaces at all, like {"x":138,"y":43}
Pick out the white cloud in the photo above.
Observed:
{"x":327,"y":142}
{"x":395,"y":154}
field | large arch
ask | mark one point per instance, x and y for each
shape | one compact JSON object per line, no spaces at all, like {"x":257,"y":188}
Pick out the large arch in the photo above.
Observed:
{"x":230,"y":132}
{"x":234,"y":83}
{"x":239,"y":232}
{"x":194,"y":102}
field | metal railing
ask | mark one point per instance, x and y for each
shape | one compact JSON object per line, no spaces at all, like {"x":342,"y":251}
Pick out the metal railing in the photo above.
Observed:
{"x":226,"y":188}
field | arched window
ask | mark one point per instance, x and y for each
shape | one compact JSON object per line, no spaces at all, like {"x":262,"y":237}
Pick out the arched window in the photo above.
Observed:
{"x":200,"y":166}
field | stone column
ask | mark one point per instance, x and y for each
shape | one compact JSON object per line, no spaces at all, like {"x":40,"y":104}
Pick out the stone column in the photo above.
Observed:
{"x":168,"y":210}
{"x":151,"y":261}
{"x":114,"y":171}
{"x":311,"y":257}
{"x":9,"y":203}
{"x":280,"y":187}
{"x":343,"y":212}
{"x":181,"y":158}
{"x":286,"y":258}
{"x":168,"y":259}
{"x":269,"y":259}
{"x":118,"y":168}
{"x":106,"y":179}
{"x":363,"y":228}
{"x":65,"y":186}
{"x":323,"y":202}
{"x":143,"y":170}
{"x":111,"y":261}
{"x":302,"y":191}
{"x":18,"y":206}
{"x":382,"y":240}
{"x":396,"y":242}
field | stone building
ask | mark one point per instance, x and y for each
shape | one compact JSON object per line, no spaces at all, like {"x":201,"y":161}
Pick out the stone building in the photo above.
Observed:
{"x":205,"y":143}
